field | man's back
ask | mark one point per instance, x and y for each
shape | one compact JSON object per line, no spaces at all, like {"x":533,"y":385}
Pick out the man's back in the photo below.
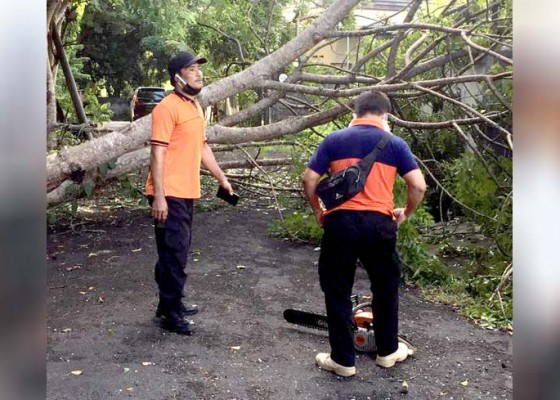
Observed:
{"x":347,"y":146}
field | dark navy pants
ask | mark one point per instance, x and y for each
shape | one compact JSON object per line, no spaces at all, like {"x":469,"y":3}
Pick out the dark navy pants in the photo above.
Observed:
{"x":173,"y":240}
{"x":370,"y":237}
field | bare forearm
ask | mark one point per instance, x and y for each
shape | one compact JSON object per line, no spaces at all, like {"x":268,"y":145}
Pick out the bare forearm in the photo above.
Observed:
{"x":156,"y":169}
{"x":413,"y":199}
{"x":309,"y":189}
{"x":310,"y":183}
{"x":415,"y":189}
{"x":209,"y":162}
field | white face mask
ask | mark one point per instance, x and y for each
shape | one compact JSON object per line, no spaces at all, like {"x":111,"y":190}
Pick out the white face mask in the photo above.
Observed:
{"x":385,"y":122}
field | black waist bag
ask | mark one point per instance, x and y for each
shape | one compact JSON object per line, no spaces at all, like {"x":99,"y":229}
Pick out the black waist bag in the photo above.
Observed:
{"x":343,"y":185}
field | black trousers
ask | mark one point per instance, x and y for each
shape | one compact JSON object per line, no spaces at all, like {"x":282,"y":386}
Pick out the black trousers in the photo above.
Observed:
{"x":173,"y":240}
{"x":370,"y":237}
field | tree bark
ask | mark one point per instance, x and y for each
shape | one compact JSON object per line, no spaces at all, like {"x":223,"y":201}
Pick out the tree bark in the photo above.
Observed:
{"x":51,"y":98}
{"x":69,"y":77}
{"x":56,"y":10}
{"x":400,"y":35}
{"x":89,"y":155}
{"x":141,"y":159}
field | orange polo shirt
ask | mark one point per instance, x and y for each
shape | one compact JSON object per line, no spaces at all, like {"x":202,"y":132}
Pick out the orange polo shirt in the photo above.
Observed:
{"x":179,"y":125}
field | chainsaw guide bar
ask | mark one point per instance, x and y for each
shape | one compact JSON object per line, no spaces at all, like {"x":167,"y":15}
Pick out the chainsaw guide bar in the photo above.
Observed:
{"x":318,"y":321}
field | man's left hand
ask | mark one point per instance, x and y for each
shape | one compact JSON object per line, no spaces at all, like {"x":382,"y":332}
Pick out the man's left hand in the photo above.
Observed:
{"x":227,"y":186}
{"x":399,"y":215}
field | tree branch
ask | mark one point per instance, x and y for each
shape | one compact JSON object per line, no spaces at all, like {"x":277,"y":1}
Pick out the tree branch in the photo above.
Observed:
{"x":450,"y":195}
{"x":274,"y":62}
{"x":229,"y":135}
{"x":256,"y":108}
{"x":414,"y":47}
{"x":395,"y":46}
{"x":141,"y":159}
{"x":470,"y":110}
{"x":475,"y":150}
{"x":443,"y":124}
{"x":333,"y":93}
{"x":485,"y":50}
{"x":230,"y":37}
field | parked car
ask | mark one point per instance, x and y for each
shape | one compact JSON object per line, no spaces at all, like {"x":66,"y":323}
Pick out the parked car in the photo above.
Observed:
{"x":144,"y":101}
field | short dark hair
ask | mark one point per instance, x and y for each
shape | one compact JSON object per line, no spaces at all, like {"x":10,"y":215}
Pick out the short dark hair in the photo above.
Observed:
{"x":373,"y":102}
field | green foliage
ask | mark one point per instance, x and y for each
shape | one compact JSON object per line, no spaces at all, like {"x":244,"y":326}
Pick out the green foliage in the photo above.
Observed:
{"x":470,"y":183}
{"x":419,"y":265}
{"x":88,"y":188}
{"x":94,"y":110}
{"x":299,"y":224}
{"x":105,"y":167}
{"x":494,"y":314}
{"x":490,"y":314}
{"x":52,"y":217}
{"x":66,"y":138}
{"x":131,"y":188}
{"x":74,"y":192}
{"x":89,"y":89}
{"x":129,"y":44}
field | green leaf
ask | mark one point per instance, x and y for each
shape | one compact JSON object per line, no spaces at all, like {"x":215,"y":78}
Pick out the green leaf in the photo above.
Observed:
{"x":103,"y":168}
{"x":88,"y":187}
{"x":70,"y":189}
{"x":51,"y":218}
{"x":74,"y":207}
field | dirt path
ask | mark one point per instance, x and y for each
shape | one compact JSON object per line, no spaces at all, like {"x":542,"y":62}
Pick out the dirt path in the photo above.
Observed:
{"x":100,"y":321}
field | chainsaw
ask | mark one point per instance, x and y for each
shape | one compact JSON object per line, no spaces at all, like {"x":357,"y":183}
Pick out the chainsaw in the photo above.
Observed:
{"x":364,"y":335}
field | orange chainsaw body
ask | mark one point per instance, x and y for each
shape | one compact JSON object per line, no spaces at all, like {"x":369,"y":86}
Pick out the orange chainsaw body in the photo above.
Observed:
{"x":363,"y":319}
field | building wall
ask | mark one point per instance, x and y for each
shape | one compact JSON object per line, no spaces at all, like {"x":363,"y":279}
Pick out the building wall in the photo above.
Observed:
{"x":343,"y":52}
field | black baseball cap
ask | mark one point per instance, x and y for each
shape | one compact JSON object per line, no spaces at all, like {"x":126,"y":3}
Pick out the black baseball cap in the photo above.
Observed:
{"x":181,"y":60}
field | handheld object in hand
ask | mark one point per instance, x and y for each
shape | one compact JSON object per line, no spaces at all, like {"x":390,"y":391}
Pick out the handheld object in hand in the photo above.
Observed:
{"x":224,"y":195}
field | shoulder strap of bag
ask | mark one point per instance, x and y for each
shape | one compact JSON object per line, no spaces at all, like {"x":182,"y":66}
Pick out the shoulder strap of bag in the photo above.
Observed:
{"x":366,"y":163}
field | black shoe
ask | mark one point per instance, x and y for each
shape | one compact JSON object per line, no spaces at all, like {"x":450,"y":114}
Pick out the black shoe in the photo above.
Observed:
{"x":189,"y":310}
{"x":173,"y":322}
{"x":185,"y":311}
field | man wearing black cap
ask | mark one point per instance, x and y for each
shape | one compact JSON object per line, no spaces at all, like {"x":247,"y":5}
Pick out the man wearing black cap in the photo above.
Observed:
{"x":179,"y":146}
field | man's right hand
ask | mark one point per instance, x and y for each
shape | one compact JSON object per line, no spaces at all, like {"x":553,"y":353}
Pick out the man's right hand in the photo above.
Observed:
{"x":319,"y":216}
{"x":159,"y":208}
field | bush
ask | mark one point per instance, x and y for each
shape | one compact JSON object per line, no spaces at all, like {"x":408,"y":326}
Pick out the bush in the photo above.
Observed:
{"x":299,"y":225}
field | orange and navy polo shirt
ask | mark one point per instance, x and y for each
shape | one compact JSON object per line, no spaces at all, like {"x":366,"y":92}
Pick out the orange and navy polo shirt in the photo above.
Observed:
{"x":178,"y":123}
{"x":345,"y":147}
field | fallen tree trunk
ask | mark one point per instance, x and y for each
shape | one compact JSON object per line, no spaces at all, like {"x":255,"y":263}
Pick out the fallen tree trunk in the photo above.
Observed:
{"x":135,"y":161}
{"x":89,"y":155}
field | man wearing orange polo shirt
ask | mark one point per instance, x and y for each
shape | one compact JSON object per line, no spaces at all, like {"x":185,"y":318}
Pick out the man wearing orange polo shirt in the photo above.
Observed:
{"x":364,"y":227}
{"x":179,"y":147}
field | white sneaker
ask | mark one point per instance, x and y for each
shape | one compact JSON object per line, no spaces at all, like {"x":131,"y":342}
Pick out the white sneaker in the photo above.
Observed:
{"x":325,"y":362}
{"x":400,"y":355}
